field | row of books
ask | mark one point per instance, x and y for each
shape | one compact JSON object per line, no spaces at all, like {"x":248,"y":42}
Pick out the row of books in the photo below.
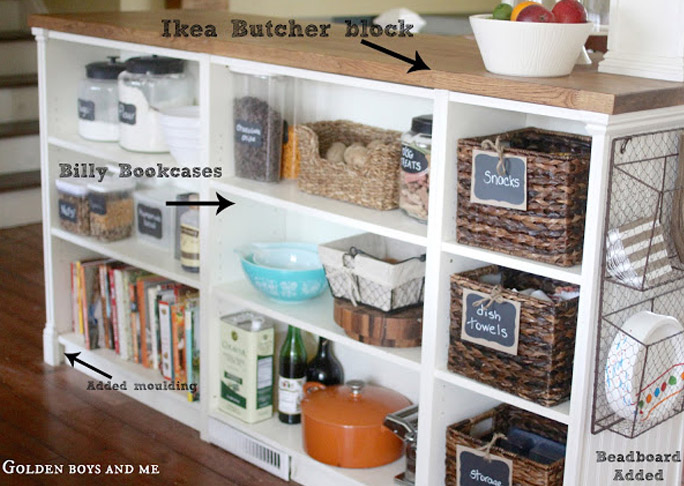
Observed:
{"x":144,"y":318}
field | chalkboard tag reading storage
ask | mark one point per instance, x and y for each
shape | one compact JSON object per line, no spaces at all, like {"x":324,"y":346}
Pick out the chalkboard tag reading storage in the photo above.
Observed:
{"x":491,"y":321}
{"x":499,"y":181}
{"x":479,"y":468}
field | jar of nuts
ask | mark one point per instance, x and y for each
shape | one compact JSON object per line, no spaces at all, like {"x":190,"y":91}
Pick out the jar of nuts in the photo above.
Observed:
{"x":111,"y":209}
{"x":414,"y":176}
{"x":72,"y":205}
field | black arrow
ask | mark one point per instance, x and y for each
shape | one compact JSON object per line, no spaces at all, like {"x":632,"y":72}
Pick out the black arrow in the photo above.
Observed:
{"x":222,"y":203}
{"x":73,"y":357}
{"x":417,"y":64}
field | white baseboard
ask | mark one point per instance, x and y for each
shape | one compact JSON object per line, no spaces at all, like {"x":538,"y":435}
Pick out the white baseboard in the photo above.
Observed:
{"x":18,"y":208}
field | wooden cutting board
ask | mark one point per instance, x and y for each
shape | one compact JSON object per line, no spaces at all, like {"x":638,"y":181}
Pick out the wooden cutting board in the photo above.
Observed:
{"x":402,"y":329}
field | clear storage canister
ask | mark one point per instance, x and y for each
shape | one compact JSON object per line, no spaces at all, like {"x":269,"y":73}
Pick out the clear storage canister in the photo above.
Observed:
{"x":111,"y":208}
{"x":150,"y":84}
{"x":73,"y":207}
{"x":190,"y":240}
{"x":414,"y":177}
{"x":155,"y":222}
{"x":98,"y":101}
{"x":258,"y":124}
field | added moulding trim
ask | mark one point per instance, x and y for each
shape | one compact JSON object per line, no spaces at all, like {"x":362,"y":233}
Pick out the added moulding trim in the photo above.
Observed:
{"x":454,"y":61}
{"x":172,"y":403}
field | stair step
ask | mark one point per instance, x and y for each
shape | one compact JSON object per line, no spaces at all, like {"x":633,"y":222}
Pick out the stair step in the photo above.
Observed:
{"x":21,"y":53}
{"x":18,"y":80}
{"x":15,"y":35}
{"x":19,"y":181}
{"x":19,"y":129}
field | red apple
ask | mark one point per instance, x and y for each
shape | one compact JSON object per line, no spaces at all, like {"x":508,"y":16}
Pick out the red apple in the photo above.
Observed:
{"x":569,"y":12}
{"x":535,"y":13}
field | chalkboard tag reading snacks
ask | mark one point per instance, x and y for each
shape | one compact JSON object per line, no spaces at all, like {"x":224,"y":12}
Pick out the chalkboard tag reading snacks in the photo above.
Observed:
{"x":529,"y":447}
{"x":258,"y":125}
{"x":482,"y":468}
{"x":490,"y":320}
{"x":541,"y":370}
{"x":73,"y":206}
{"x":499,"y":180}
{"x":549,"y":225}
{"x":111,"y":209}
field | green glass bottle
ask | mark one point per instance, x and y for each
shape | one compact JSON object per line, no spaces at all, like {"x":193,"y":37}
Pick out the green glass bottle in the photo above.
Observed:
{"x":291,"y":377}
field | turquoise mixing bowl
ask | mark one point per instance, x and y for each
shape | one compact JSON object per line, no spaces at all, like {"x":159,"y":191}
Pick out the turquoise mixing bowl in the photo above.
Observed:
{"x":286,"y":272}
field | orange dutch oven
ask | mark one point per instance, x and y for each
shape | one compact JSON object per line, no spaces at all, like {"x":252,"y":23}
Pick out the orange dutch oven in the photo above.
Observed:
{"x":342,"y":424}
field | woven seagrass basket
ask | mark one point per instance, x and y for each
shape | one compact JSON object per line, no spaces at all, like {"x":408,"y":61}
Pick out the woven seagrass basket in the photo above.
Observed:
{"x":552,"y":228}
{"x":526,"y":472}
{"x":373,"y":185}
{"x":542,"y":369}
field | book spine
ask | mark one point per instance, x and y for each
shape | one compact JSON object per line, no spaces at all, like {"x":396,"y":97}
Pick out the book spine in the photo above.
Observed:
{"x":112,"y":304}
{"x":135,"y":327}
{"x":178,"y":342}
{"x":104,"y":322}
{"x":153,"y":322}
{"x":165,"y":333}
{"x":83,"y":314}
{"x":141,"y":301}
{"x":74,"y":297}
{"x":189,"y":324}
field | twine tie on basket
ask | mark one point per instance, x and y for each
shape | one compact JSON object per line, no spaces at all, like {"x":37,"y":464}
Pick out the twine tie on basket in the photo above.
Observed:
{"x":487,"y":448}
{"x":348,"y":275}
{"x":499,"y":149}
{"x":496,"y":296}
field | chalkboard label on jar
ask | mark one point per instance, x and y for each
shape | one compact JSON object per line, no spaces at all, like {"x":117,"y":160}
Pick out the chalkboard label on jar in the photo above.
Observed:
{"x":67,"y":211}
{"x":494,"y":323}
{"x":477,"y":468}
{"x":98,"y":204}
{"x":150,"y":221}
{"x":86,"y":110}
{"x":504,"y":189}
{"x":248,"y":133}
{"x":126,"y":113}
{"x":413,"y":160}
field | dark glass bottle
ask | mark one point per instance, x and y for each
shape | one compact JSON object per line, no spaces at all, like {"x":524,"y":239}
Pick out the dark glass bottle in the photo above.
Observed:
{"x":325,"y":367}
{"x":291,"y":377}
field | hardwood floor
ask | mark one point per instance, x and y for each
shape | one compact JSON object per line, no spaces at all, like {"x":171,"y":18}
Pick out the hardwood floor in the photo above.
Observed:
{"x":47,"y":416}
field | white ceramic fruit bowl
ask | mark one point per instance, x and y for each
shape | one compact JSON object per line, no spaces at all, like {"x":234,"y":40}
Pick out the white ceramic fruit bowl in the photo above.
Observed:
{"x":528,"y":48}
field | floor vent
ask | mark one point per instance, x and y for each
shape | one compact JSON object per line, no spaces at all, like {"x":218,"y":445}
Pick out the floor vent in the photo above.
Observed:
{"x":254,"y":451}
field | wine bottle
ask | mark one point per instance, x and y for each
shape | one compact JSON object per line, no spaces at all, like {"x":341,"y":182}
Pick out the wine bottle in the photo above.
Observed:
{"x":291,"y":377}
{"x":325,"y":367}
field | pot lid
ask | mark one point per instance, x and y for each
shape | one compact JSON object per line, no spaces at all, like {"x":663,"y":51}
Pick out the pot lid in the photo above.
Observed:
{"x":352,"y":405}
{"x":154,"y":65}
{"x":105,"y":70}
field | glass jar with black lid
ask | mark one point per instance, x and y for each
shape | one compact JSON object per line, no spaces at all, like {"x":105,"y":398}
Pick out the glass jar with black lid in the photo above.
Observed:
{"x":98,"y":101}
{"x":148,"y":85}
{"x":414,"y":179}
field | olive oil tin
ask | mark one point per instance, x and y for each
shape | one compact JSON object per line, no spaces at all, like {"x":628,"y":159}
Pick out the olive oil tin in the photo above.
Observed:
{"x":246,"y":365}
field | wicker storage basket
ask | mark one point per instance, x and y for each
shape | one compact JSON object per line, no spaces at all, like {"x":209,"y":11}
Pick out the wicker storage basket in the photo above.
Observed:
{"x":373,"y":185}
{"x":542,"y":369}
{"x":552,"y":228}
{"x":379,"y":272}
{"x":526,"y":472}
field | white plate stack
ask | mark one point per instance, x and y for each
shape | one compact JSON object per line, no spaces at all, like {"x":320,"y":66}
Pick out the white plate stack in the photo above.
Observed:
{"x":181,"y":126}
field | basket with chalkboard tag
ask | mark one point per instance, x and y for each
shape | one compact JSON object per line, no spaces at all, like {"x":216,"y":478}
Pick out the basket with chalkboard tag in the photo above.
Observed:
{"x":524,"y":193}
{"x":506,"y":446}
{"x":514,"y":331}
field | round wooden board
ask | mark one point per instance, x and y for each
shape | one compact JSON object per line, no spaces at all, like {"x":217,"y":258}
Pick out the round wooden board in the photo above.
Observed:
{"x":402,"y":329}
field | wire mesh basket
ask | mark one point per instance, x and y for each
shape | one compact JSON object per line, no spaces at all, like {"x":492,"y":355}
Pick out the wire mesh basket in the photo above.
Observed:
{"x":639,"y":369}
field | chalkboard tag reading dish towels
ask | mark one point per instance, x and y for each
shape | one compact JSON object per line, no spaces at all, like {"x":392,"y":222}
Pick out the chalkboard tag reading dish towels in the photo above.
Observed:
{"x":490,"y":321}
{"x":479,"y":468}
{"x":495,"y":184}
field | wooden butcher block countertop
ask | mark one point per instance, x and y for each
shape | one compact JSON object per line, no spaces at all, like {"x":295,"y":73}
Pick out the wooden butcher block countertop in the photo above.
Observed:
{"x":454,"y":61}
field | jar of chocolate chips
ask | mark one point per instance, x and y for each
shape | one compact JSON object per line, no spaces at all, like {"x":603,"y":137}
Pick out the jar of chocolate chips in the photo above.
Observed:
{"x":414,"y":176}
{"x":111,"y":209}
{"x":72,"y":206}
{"x":258,"y":125}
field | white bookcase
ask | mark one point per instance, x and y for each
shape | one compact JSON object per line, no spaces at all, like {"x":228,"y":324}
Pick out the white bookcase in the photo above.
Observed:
{"x":271,"y":212}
